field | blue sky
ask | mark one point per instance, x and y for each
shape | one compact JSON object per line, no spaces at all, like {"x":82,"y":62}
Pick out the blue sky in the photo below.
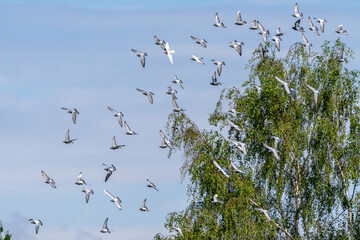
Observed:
{"x":77,"y":54}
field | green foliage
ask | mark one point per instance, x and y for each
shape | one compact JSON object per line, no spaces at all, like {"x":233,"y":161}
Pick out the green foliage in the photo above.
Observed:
{"x":312,"y":191}
{"x":7,"y":234}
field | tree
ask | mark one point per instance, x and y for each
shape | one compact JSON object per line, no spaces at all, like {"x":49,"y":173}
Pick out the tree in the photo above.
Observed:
{"x":308,"y":183}
{"x":7,"y":234}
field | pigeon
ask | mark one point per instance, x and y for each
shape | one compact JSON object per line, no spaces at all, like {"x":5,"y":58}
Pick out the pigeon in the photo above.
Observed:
{"x":273,"y":150}
{"x":110,"y":170}
{"x":259,"y":89}
{"x":307,"y":45}
{"x":239,"y":145}
{"x":313,"y":27}
{"x":119,"y":115}
{"x":105,"y":228}
{"x":296,"y":12}
{"x":220,"y":169}
{"x":178,"y":81}
{"x":179,"y":231}
{"x":253,"y":25}
{"x":144,"y":207}
{"x":176,"y":107}
{"x":151,"y":185}
{"x":262,"y":52}
{"x":87,"y":193}
{"x":239,"y":20}
{"x":297,"y":27}
{"x":67,"y":138}
{"x":215,"y":199}
{"x":264,"y":33}
{"x":237,"y":46}
{"x":277,"y":140}
{"x":266,"y":212}
{"x":341,"y":57}
{"x":279,"y":33}
{"x":48,"y":180}
{"x":217,"y":22}
{"x":141,"y":55}
{"x":232,"y":107}
{"x":128,"y":130}
{"x":316,"y":93}
{"x":277,"y":42}
{"x":197,"y":59}
{"x":114,"y":146}
{"x":179,"y":130}
{"x":218,"y":65}
{"x":202,"y":42}
{"x":165,"y":142}
{"x":73,"y":112}
{"x":115,"y":200}
{"x":169,"y":52}
{"x":322,"y":23}
{"x":340,"y":30}
{"x":232,"y":164}
{"x":171,"y":92}
{"x":233,"y":125}
{"x":214,"y":81}
{"x":148,"y":94}
{"x":285,"y":85}
{"x":79,"y":180}
{"x":160,"y":43}
{"x":37,"y":224}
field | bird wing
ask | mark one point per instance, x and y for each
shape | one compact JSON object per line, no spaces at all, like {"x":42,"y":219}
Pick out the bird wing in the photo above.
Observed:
{"x":136,"y":51}
{"x":127,"y":126}
{"x":105,"y":223}
{"x":64,"y":108}
{"x":44,"y":175}
{"x":87,"y":196}
{"x":162,"y":135}
{"x":296,"y":9}
{"x":195,"y":38}
{"x":260,"y":26}
{"x":217,"y":19}
{"x":149,"y":95}
{"x":221,"y":169}
{"x":219,"y":68}
{"x":144,"y":204}
{"x":238,"y":17}
{"x":310,"y":23}
{"x":114,"y":142}
{"x":140,"y":90}
{"x":174,"y":103}
{"x":109,"y":194}
{"x":142,"y":58}
{"x":73,"y":113}
{"x":67,"y":136}
{"x":233,"y":125}
{"x":112,"y":110}
{"x":37,"y":228}
{"x":108,"y":175}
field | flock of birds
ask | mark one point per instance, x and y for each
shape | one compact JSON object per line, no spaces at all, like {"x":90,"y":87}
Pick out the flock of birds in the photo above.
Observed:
{"x":165,"y":142}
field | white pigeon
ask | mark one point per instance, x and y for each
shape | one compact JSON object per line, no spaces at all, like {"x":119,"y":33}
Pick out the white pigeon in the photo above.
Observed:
{"x":48,"y":180}
{"x":202,"y":42}
{"x":296,"y":12}
{"x":219,"y":65}
{"x":237,"y":46}
{"x":80,"y":180}
{"x":118,"y":115}
{"x":279,"y":33}
{"x":179,"y":231}
{"x":258,"y":89}
{"x":165,"y":142}
{"x":239,"y":20}
{"x":322,"y":23}
{"x":181,"y":132}
{"x":233,"y":125}
{"x":239,"y":145}
{"x":128,"y":130}
{"x":277,"y":140}
{"x":214,"y":80}
{"x":307,"y":45}
{"x":172,"y":92}
{"x":37,"y":224}
{"x":340,"y":30}
{"x":67,"y":138}
{"x":215,"y":199}
{"x":176,"y":107}
{"x":316,"y":93}
{"x":87,"y":193}
{"x":277,"y":42}
{"x":262,"y":52}
{"x":218,"y":23}
{"x":110,"y":170}
{"x":313,"y":27}
{"x":178,"y":81}
{"x":297,"y":26}
{"x":115,"y":200}
{"x":169,"y":52}
{"x":273,"y":150}
{"x":221,"y":169}
{"x":266,"y":212}
{"x":197,"y":59}
{"x":232,"y":164}
{"x":105,"y":228}
{"x":285,"y":85}
{"x":341,"y":57}
{"x":253,"y":25}
{"x":144,"y":207}
{"x":264,"y":33}
{"x":232,"y":107}
{"x":73,"y":113}
{"x":141,"y":55}
{"x":151,"y":185}
{"x":115,"y":146}
{"x":148,"y":94}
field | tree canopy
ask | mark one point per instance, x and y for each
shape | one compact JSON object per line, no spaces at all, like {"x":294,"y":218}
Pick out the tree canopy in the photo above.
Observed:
{"x":7,"y":234}
{"x":298,"y":151}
